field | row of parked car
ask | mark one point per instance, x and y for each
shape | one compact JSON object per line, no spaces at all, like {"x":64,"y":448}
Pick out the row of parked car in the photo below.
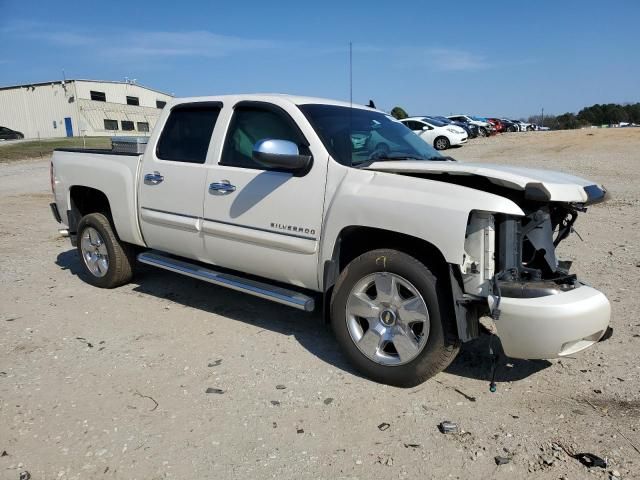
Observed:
{"x":455,"y":130}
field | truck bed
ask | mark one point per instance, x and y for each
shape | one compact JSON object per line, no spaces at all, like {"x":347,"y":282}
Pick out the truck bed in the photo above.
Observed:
{"x":115,"y":174}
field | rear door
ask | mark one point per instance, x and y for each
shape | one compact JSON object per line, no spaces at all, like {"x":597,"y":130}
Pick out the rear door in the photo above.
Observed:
{"x":265,"y":222}
{"x":173,"y":180}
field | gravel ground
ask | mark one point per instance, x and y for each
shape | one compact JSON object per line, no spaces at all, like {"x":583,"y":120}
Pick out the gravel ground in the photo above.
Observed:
{"x":113,"y":383}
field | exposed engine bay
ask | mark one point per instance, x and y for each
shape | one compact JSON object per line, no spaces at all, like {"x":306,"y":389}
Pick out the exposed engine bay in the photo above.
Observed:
{"x":516,"y":256}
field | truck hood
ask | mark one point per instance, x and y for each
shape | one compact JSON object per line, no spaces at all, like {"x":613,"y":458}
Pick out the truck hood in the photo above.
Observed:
{"x":542,"y":185}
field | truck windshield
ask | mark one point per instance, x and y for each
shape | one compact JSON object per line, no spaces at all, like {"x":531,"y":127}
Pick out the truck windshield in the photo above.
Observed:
{"x":355,"y":137}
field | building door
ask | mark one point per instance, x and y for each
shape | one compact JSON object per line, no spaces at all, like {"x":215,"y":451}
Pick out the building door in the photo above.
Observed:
{"x":67,"y":125}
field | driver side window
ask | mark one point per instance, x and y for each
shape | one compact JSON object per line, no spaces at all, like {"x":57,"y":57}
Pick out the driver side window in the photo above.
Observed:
{"x":249,"y":125}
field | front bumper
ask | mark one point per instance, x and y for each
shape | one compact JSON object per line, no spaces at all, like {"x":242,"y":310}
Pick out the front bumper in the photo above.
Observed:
{"x":553,"y":326}
{"x":455,"y":140}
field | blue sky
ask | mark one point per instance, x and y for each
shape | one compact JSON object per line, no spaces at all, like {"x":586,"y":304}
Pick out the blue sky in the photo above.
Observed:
{"x":486,"y":58}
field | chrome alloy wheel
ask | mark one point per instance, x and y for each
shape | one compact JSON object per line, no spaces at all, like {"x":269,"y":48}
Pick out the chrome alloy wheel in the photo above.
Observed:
{"x":387,"y":318}
{"x":441,"y":144}
{"x":94,"y":252}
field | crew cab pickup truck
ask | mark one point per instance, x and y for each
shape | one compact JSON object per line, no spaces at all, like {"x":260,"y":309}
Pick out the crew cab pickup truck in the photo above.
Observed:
{"x":321,"y":204}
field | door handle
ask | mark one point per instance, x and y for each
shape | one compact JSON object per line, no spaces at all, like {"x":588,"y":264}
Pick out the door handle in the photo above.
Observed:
{"x":153,"y":178}
{"x":223,"y":187}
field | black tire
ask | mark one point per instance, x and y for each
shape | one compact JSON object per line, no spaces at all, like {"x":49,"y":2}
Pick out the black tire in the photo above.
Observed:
{"x":441,"y":143}
{"x":382,"y":147}
{"x":121,"y":256}
{"x":482,"y":132}
{"x":441,"y":345}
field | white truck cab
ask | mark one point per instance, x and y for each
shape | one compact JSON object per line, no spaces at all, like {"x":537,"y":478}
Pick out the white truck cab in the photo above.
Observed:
{"x":315,"y":203}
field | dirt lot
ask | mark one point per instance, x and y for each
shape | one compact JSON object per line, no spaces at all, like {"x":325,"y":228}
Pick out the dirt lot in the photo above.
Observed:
{"x":111,"y":383}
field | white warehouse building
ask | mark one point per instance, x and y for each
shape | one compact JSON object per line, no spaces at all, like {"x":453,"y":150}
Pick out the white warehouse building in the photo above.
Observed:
{"x":68,"y":108}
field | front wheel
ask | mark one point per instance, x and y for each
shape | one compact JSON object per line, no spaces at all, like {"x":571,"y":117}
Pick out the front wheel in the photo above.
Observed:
{"x":482,"y":132}
{"x":441,"y":143}
{"x":106,"y":261}
{"x":391,"y":316}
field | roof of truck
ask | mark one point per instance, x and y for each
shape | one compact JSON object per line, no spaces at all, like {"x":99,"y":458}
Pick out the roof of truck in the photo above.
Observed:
{"x":270,"y":97}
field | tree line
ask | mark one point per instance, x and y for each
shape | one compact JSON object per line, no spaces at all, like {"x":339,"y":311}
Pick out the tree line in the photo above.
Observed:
{"x":605,"y":114}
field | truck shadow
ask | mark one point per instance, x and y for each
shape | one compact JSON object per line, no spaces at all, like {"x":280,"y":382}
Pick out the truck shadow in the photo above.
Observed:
{"x":307,"y":328}
{"x":474,"y":361}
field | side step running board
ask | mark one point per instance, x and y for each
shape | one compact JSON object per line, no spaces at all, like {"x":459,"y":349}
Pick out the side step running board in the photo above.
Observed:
{"x":259,"y":289}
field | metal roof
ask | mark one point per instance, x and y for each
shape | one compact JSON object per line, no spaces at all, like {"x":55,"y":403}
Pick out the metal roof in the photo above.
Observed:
{"x":56,"y":82}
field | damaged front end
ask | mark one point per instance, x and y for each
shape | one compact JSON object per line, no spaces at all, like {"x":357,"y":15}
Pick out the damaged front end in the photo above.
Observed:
{"x":527,"y":265}
{"x":509,"y":270}
{"x":539,"y":308}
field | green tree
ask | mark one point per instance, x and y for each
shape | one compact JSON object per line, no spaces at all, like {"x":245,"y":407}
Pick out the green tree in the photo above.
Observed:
{"x":399,"y":113}
{"x":633,"y":112}
{"x":568,"y":121}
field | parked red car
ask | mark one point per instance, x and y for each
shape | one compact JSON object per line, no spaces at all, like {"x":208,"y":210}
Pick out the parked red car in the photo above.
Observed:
{"x":497,"y":123}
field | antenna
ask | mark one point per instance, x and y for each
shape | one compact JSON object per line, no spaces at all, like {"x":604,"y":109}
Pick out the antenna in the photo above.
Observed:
{"x":351,"y":74}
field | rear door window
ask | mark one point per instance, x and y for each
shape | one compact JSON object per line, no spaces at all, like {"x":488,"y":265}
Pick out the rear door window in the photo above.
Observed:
{"x":187,"y":133}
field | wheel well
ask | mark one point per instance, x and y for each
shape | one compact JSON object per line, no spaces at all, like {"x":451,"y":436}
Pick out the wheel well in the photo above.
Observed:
{"x":354,"y":241}
{"x":86,"y":200}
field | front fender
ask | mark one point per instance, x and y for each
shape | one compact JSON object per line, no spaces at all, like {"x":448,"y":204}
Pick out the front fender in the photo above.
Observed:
{"x":436,"y":212}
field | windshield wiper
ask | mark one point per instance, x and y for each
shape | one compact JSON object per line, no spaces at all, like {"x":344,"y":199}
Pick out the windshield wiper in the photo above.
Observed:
{"x":387,"y":158}
{"x":398,"y":157}
{"x":440,"y":158}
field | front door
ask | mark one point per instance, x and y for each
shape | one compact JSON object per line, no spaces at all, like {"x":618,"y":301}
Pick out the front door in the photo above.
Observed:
{"x":68,"y":126}
{"x":261,"y":221}
{"x":174,"y":178}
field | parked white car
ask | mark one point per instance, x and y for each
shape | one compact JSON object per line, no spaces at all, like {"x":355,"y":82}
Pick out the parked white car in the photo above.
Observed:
{"x":437,"y":133}
{"x":526,"y":127}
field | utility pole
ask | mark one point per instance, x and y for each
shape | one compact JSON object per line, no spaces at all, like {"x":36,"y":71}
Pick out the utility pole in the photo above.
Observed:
{"x":542,"y":118}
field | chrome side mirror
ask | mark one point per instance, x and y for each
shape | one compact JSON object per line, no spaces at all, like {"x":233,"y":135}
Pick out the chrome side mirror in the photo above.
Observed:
{"x":281,"y":155}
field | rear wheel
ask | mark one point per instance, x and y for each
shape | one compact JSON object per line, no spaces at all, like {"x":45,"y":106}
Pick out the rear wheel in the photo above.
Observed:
{"x":107,"y":261}
{"x":482,"y":132}
{"x":390,"y":314}
{"x":382,"y":148}
{"x":441,"y":143}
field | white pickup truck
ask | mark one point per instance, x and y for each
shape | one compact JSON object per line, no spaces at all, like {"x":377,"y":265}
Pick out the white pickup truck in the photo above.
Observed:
{"x":317,"y":203}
